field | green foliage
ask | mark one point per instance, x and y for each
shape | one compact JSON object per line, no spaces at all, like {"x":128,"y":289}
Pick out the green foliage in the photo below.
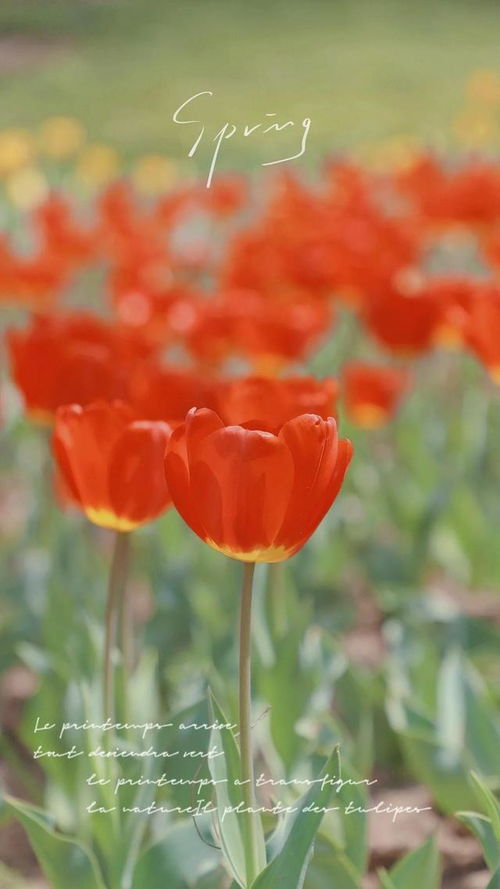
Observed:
{"x":419,"y":868}
{"x":63,"y":860}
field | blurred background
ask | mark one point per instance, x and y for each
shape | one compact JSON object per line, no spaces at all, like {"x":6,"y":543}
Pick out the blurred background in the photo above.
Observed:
{"x":407,"y":573}
{"x":365,"y":72}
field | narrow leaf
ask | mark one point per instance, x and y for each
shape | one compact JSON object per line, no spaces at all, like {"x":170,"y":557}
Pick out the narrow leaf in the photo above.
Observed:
{"x":489,"y":802}
{"x":226,"y":772}
{"x":65,"y":861}
{"x":289,"y":867}
{"x":419,"y":868}
{"x":481,"y":827}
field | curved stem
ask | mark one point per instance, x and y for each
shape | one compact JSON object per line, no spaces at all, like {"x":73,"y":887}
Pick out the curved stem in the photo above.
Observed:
{"x":116,"y":587}
{"x":247,"y":771}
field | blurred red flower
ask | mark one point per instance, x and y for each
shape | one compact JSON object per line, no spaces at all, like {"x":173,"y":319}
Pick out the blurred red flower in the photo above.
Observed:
{"x":272,"y":402}
{"x":247,"y":324}
{"x":372,"y":393}
{"x":112,"y":463}
{"x":71,"y":359}
{"x":251,"y":494}
{"x":168,"y":393}
{"x":468,"y":195}
{"x":483,"y":330}
{"x":403,"y":320}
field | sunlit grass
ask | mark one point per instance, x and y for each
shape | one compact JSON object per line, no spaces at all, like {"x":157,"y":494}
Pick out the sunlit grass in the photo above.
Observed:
{"x":361,"y":71}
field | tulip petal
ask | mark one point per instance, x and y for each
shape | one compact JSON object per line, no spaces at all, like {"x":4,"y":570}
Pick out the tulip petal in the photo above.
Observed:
{"x":183,"y":442}
{"x":136,"y":481}
{"x":242,"y":480}
{"x":87,"y":437}
{"x":315,"y":449}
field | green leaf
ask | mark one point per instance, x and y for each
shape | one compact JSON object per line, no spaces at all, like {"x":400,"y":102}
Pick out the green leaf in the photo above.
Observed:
{"x":490,"y":804}
{"x":481,"y":827}
{"x":385,"y":880}
{"x":289,"y":867}
{"x":65,"y":861}
{"x":178,"y":860}
{"x":419,"y":868}
{"x":226,"y":771}
{"x":495,"y":881}
{"x":447,"y":779}
{"x":329,"y":867}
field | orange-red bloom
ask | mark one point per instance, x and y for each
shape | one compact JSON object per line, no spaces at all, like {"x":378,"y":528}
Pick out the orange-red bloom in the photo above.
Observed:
{"x":272,"y":401}
{"x":168,"y":393}
{"x":251,"y":494}
{"x":372,"y":393}
{"x":483,"y":330}
{"x":112,"y":464}
{"x":74,"y":358}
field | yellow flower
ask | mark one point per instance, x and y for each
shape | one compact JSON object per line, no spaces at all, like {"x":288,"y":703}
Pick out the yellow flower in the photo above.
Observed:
{"x":97,"y":165}
{"x":396,"y":153}
{"x":16,"y":150}
{"x":484,"y":86}
{"x":26,"y":188}
{"x":153,"y":174}
{"x":475,"y":128}
{"x":61,"y":137}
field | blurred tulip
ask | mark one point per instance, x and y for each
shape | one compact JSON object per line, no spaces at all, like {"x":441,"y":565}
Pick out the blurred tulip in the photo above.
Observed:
{"x":153,"y":174}
{"x":168,"y":393}
{"x":26,"y":188}
{"x":483,"y":331}
{"x":251,"y":494}
{"x":272,"y":402}
{"x":16,"y":150}
{"x":112,"y":463}
{"x":97,"y":165}
{"x":372,"y":393}
{"x":61,"y":137}
{"x":70,"y":359}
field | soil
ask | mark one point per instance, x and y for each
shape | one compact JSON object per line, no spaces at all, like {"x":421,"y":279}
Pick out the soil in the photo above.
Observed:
{"x":18,"y":51}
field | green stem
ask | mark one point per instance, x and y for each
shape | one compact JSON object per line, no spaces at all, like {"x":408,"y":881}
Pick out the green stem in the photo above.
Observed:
{"x":116,"y":587}
{"x":247,"y":771}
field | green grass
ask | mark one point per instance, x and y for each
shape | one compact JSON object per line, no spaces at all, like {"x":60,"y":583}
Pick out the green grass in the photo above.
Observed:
{"x":362,"y":70}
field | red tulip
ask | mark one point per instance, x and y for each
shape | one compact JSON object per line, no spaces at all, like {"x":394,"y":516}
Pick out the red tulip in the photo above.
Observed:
{"x":112,"y":464}
{"x":251,"y":494}
{"x":168,"y":393}
{"x":71,"y":359}
{"x":372,"y":394}
{"x":483,"y":330}
{"x":274,"y":401}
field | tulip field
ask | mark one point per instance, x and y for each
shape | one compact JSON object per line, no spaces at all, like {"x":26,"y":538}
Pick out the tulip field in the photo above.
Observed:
{"x":249,"y":511}
{"x":301,"y":374}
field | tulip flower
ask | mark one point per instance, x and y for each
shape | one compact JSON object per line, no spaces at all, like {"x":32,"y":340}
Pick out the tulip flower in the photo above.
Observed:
{"x":372,"y":393}
{"x":74,"y":358}
{"x":113,"y":466}
{"x":252,"y":494}
{"x":112,"y":463}
{"x":159,"y":392}
{"x":274,"y":401}
{"x":483,"y":331}
{"x":256,"y":496}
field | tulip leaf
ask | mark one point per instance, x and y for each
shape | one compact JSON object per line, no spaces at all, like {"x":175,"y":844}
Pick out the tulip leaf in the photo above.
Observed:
{"x":289,"y":866}
{"x":490,"y":804}
{"x":481,"y":827}
{"x":495,"y":881}
{"x":329,"y":867}
{"x":225,"y":770}
{"x":385,"y":880}
{"x":65,"y":861}
{"x":422,"y":867}
{"x":177,"y":860}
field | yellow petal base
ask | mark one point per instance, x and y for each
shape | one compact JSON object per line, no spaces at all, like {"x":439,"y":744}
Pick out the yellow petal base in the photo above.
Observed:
{"x":107,"y":519}
{"x":269,"y":554}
